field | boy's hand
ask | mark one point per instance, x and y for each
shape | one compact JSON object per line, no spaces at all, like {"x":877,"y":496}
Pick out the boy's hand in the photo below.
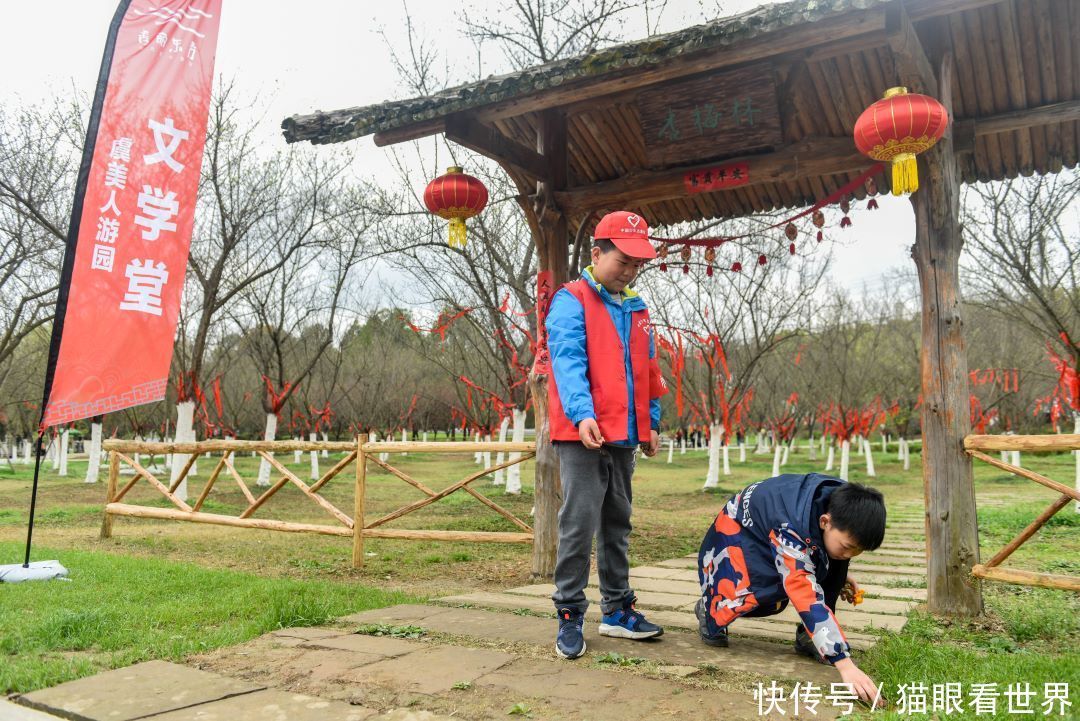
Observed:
{"x":589,"y":433}
{"x":862,"y":684}
{"x":652,"y":446}
{"x":851,"y":592}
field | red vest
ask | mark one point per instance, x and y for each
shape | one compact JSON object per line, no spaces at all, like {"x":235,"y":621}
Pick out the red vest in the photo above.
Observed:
{"x":607,"y":372}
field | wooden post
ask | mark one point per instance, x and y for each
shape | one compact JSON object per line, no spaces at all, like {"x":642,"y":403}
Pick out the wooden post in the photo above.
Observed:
{"x":552,"y":241}
{"x":110,"y":493}
{"x":948,"y":484}
{"x":358,"y":502}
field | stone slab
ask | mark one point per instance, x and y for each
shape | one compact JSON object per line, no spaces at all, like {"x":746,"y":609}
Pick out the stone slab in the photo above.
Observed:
{"x":765,"y":628}
{"x":434,"y":669}
{"x":153,"y":687}
{"x":673,"y":649}
{"x":271,"y":705}
{"x":378,"y":646}
{"x":13,"y":712}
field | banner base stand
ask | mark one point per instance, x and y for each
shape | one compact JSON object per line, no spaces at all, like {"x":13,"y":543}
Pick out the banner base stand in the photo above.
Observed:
{"x":36,"y":571}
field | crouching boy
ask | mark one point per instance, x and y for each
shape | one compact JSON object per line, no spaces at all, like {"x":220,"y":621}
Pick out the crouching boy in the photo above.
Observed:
{"x":789,"y":539}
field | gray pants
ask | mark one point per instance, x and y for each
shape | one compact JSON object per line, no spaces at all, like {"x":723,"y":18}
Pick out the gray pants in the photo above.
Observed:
{"x":596,"y":503}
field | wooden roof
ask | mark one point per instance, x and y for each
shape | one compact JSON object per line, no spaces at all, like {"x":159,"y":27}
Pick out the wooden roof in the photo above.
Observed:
{"x":1016,"y":104}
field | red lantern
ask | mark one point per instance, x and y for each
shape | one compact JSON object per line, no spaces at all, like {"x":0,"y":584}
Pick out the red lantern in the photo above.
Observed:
{"x":455,"y":197}
{"x":897,"y":128}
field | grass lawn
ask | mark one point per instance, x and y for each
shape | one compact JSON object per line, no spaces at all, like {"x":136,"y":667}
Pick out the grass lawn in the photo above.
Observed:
{"x":166,"y":589}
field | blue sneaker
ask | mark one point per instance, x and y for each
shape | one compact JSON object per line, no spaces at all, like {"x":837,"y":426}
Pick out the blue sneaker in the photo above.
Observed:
{"x":570,"y":643}
{"x":627,"y":622}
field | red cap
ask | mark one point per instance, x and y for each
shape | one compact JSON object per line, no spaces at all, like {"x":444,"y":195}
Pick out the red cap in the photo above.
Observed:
{"x":629,"y":233}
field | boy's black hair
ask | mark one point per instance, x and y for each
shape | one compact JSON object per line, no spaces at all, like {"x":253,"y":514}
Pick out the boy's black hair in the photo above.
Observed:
{"x":860,"y":511}
{"x":605,"y":245}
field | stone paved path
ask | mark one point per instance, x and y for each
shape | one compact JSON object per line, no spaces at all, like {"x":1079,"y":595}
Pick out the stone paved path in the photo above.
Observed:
{"x":481,"y":655}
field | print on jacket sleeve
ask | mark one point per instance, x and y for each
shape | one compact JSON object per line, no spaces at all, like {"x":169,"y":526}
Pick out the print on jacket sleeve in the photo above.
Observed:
{"x":796,"y":568}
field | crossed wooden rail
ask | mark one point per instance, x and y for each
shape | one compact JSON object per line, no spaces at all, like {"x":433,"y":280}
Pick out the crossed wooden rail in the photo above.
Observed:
{"x":975,"y":445}
{"x":359,"y":453}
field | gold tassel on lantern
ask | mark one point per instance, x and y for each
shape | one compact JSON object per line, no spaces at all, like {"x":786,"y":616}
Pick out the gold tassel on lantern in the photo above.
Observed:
{"x":905,"y":174}
{"x":456,"y":233}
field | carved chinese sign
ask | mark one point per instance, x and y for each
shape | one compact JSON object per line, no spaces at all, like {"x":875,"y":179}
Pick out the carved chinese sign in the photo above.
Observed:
{"x":720,"y":115}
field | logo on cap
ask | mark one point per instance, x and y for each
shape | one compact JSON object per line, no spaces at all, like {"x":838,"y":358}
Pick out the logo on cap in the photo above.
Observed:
{"x":633,"y":219}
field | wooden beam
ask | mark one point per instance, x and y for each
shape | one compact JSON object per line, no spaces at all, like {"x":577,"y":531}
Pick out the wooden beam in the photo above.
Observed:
{"x":909,"y":58}
{"x":1057,"y":442}
{"x":967,"y":130}
{"x":809,"y":157}
{"x":489,"y":142}
{"x":225,"y":445}
{"x":1027,"y":578}
{"x":168,"y":514}
{"x":1028,"y":474}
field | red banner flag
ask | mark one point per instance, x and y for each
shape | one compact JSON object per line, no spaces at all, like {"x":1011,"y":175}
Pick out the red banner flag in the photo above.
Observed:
{"x":134,"y":210}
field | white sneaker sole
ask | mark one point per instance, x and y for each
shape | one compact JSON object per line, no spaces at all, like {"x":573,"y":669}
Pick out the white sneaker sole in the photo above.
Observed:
{"x":620,"y":632}
{"x":560,"y":654}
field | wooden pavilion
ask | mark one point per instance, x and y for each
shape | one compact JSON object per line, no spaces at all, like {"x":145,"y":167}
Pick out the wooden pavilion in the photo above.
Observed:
{"x":776,"y":92}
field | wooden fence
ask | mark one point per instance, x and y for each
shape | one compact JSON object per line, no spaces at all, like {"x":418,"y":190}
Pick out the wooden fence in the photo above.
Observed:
{"x":991,"y":570}
{"x":359,"y":454}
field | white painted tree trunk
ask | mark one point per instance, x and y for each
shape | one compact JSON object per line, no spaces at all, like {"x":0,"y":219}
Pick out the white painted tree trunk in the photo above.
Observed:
{"x":65,"y":439}
{"x":297,"y":456}
{"x":404,"y":439}
{"x":12,"y":449}
{"x":424,"y":437}
{"x":907,"y":455}
{"x":53,"y":452}
{"x":900,"y":448}
{"x":500,"y":475}
{"x":384,"y":457}
{"x":858,"y":445}
{"x":884,"y":443}
{"x":269,"y":433}
{"x":812,"y":450}
{"x":1016,"y":458}
{"x":184,"y":433}
{"x":784,"y":457}
{"x":777,"y":453}
{"x":869,"y":453}
{"x":712,"y":476}
{"x":845,"y":459}
{"x":682,"y":447}
{"x":313,"y":437}
{"x":487,"y":454}
{"x":513,"y":473}
{"x":671,"y":452}
{"x":823,"y":439}
{"x":1004,"y":456}
{"x":325,"y":439}
{"x":830,"y":459}
{"x":742,"y":451}
{"x":94,"y":469}
{"x":478,"y":457}
{"x":27,"y":445}
{"x":725,"y":451}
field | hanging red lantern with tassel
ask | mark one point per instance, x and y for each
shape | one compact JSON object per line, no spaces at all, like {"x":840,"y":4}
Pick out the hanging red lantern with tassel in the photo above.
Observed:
{"x":710,"y":258}
{"x":455,"y":197}
{"x":685,"y":255}
{"x":661,"y":253}
{"x":896,"y":129}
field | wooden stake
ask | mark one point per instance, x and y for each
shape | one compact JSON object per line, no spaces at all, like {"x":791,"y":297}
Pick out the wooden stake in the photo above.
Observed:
{"x":110,"y":494}
{"x":358,"y":502}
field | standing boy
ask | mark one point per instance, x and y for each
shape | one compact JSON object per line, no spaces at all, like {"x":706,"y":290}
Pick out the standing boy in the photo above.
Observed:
{"x":790,"y":538}
{"x":603,"y":402}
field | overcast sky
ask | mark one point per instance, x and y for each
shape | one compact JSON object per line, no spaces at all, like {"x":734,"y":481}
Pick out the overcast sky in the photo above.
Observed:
{"x":328,"y":54}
